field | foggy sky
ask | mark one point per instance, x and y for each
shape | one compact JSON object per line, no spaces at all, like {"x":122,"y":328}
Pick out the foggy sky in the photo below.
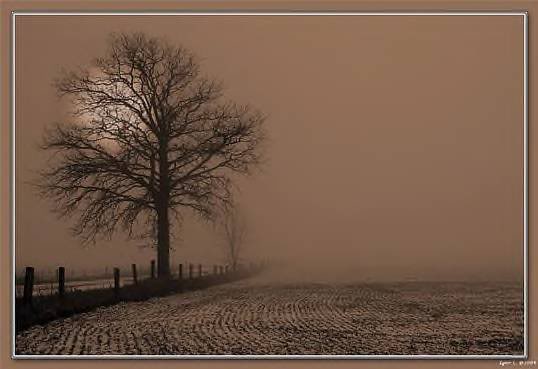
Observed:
{"x":395,"y":151}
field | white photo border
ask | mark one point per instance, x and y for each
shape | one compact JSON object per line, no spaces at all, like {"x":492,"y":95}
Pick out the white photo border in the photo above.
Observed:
{"x":518,"y":13}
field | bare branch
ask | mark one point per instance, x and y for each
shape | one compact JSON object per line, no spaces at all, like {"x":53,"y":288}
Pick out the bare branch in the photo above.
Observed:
{"x":149,"y":136}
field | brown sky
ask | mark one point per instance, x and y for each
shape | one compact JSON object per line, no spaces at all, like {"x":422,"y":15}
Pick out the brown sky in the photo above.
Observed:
{"x":395,"y":151}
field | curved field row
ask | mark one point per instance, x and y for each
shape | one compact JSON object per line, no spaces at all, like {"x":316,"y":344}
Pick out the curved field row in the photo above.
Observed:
{"x":250,"y":317}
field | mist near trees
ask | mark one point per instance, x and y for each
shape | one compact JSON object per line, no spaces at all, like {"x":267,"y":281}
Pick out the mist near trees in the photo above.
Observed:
{"x":150,"y":137}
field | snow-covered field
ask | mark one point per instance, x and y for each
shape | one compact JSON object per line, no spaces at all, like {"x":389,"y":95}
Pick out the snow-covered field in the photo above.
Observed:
{"x":259,"y":317}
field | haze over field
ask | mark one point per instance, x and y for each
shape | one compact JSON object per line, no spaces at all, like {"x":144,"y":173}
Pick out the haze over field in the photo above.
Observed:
{"x":395,"y":146}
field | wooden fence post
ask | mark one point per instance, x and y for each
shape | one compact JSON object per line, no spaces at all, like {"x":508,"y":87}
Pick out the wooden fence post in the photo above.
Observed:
{"x":215,"y":269}
{"x":153,"y":269}
{"x":180,"y":276}
{"x":61,"y":281}
{"x":190,"y":271}
{"x":28,"y":285}
{"x":135,"y":277}
{"x":116,"y":280}
{"x":200,"y":270}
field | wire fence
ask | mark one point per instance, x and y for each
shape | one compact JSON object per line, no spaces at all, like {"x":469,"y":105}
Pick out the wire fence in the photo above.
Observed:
{"x":34,"y":283}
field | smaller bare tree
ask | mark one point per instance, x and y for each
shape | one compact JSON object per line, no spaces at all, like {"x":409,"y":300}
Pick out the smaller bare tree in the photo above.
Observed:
{"x":234,"y":230}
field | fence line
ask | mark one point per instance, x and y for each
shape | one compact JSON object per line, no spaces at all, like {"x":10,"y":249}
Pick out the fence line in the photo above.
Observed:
{"x":69,"y":284}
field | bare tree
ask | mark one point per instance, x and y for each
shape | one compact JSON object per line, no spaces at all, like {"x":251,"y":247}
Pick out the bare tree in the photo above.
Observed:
{"x":149,"y":136}
{"x":234,"y":230}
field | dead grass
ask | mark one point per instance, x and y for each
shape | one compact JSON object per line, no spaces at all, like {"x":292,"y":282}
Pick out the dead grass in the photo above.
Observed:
{"x":47,"y":308}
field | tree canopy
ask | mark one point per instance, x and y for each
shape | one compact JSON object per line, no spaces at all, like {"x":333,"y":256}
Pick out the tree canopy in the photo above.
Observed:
{"x":149,"y":135}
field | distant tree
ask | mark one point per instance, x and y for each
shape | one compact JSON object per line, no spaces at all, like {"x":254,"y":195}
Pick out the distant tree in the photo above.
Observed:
{"x":149,"y":136}
{"x":234,"y":230}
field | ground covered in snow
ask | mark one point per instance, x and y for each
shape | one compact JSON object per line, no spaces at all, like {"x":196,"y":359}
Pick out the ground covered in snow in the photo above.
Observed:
{"x":259,"y":317}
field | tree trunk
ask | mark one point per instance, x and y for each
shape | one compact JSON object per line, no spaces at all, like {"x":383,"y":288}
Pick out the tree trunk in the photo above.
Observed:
{"x":163,"y":223}
{"x":163,"y":244}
